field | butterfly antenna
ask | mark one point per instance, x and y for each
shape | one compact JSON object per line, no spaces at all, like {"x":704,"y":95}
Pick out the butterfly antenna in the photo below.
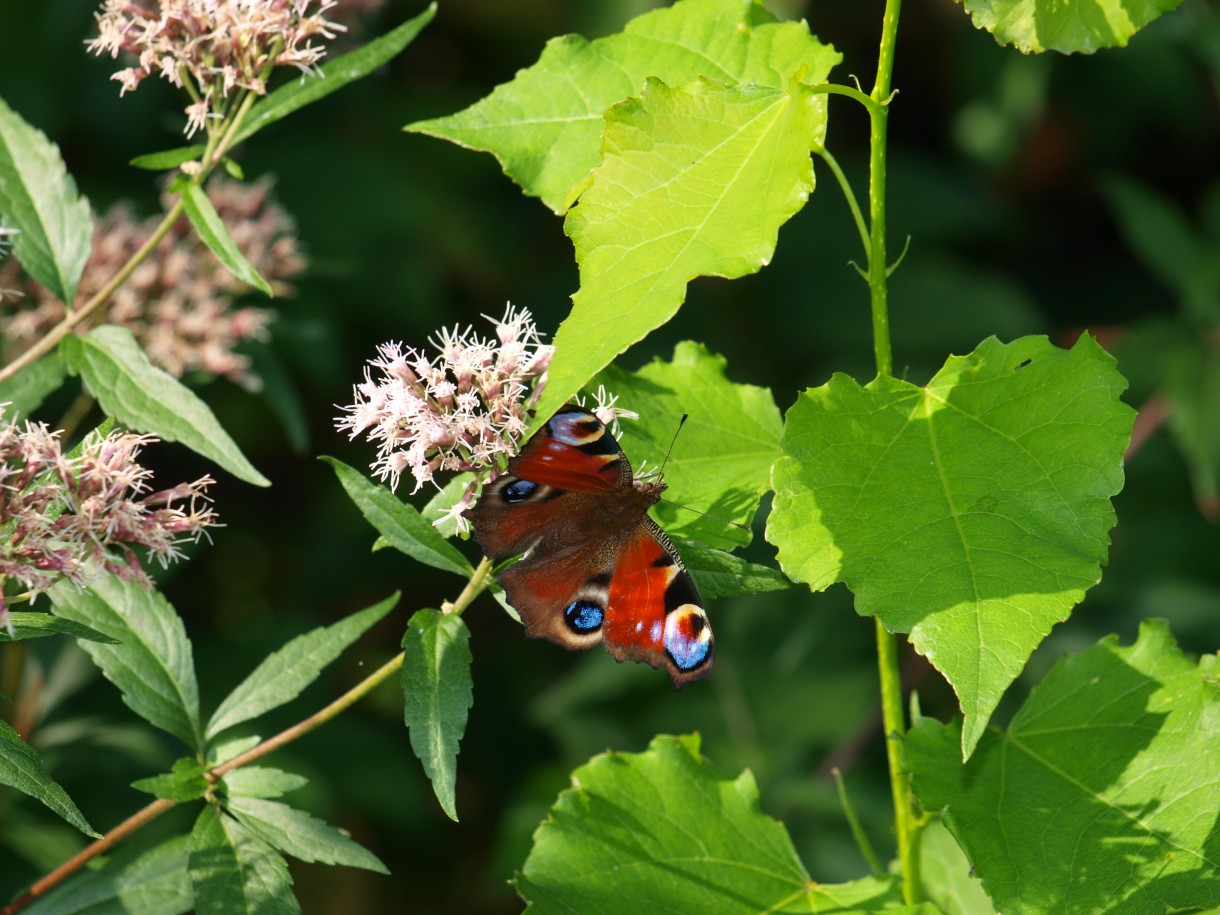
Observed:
{"x":681,"y":423}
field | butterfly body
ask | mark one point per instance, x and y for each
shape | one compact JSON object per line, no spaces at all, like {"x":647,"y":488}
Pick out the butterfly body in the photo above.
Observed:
{"x":596,"y":568}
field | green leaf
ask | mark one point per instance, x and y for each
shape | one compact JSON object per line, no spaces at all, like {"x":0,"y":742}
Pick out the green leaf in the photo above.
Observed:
{"x":1103,"y":794}
{"x":296,"y":833}
{"x":1070,"y":26}
{"x":38,"y":198}
{"x":718,"y":574}
{"x":438,"y":690}
{"x":332,"y":76}
{"x":694,"y":181}
{"x":168,"y":158}
{"x":283,"y":674}
{"x":185,"y":782}
{"x":721,"y":460}
{"x":38,"y":625}
{"x":261,"y":781}
{"x":151,"y":664}
{"x":545,"y":126}
{"x":973,"y":513}
{"x":946,"y":874}
{"x":25,"y":391}
{"x":400,"y":524}
{"x":450,"y":495}
{"x":215,"y":234}
{"x":234,"y":871}
{"x":146,"y":399}
{"x":21,"y":768}
{"x":663,"y":831}
{"x":143,"y":882}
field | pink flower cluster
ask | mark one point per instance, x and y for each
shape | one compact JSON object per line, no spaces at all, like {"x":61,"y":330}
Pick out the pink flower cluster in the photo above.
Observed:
{"x":455,"y":411}
{"x":211,"y":47}
{"x":179,"y":302}
{"x":74,"y":516}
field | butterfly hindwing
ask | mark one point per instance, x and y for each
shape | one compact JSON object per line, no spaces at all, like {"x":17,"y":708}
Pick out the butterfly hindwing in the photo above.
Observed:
{"x":596,"y":567}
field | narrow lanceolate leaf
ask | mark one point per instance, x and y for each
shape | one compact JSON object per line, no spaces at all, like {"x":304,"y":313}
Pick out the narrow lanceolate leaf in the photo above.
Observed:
{"x":261,"y":781}
{"x":24,"y":392}
{"x":38,"y":625}
{"x":284,"y":673}
{"x":332,"y":75}
{"x":1069,"y":26}
{"x":146,"y":399}
{"x":399,"y":523}
{"x":143,"y":882}
{"x":720,"y":574}
{"x":663,"y":831}
{"x":972,"y":513}
{"x":168,"y":158}
{"x":438,"y":692}
{"x":294,"y":832}
{"x":234,"y":872}
{"x":215,"y":234}
{"x":151,"y":664}
{"x":694,"y":181}
{"x":1104,"y":793}
{"x":38,"y":198}
{"x":21,"y":768}
{"x":545,"y":126}
{"x":720,"y":463}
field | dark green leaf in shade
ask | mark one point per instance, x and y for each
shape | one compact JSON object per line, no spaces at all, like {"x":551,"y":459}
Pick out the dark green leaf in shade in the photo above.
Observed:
{"x":261,"y":781}
{"x":973,"y":513}
{"x":168,"y":158}
{"x":400,"y":524}
{"x":215,"y":234}
{"x":25,"y":391}
{"x":1069,"y":26}
{"x":721,"y":460}
{"x":185,"y":782}
{"x":146,"y":399}
{"x":694,"y":181}
{"x":234,"y":872}
{"x":22,"y":768}
{"x":283,"y":674}
{"x":663,"y":831}
{"x":294,"y":832}
{"x":38,"y":625}
{"x":151,"y":664}
{"x":149,"y":881}
{"x":1104,"y":793}
{"x":438,"y":693}
{"x":719,"y":574}
{"x":946,"y":875}
{"x":39,"y":198}
{"x":332,"y":75}
{"x":545,"y":126}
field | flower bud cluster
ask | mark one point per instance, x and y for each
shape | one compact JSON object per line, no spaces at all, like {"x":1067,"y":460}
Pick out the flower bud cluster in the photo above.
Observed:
{"x":75,"y":515}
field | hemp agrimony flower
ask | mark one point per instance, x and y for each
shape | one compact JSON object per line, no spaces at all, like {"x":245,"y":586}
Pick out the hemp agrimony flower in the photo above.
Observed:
{"x":75,"y":516}
{"x":211,"y":48}
{"x":454,"y":411}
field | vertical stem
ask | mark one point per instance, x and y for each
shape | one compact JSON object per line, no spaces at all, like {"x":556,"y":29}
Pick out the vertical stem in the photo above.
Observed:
{"x":905,"y":821}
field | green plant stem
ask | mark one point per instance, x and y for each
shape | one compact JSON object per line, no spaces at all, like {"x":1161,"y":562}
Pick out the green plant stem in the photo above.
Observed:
{"x":479,"y":580}
{"x":907,"y":825}
{"x":848,"y":194}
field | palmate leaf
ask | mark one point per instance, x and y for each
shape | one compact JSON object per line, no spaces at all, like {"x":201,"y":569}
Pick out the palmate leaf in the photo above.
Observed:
{"x":143,"y":397}
{"x":22,"y":768}
{"x":234,"y":872}
{"x":1065,"y":25}
{"x":283,"y":674}
{"x":151,"y":663}
{"x":973,"y":513}
{"x":438,"y":694}
{"x":39,"y":198}
{"x":694,"y":181}
{"x":663,"y":831}
{"x":545,"y":126}
{"x":1104,"y":793}
{"x":719,"y":574}
{"x":721,"y":460}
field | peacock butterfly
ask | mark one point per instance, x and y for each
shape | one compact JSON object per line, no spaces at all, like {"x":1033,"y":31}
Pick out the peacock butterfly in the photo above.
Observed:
{"x":596,"y":567}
